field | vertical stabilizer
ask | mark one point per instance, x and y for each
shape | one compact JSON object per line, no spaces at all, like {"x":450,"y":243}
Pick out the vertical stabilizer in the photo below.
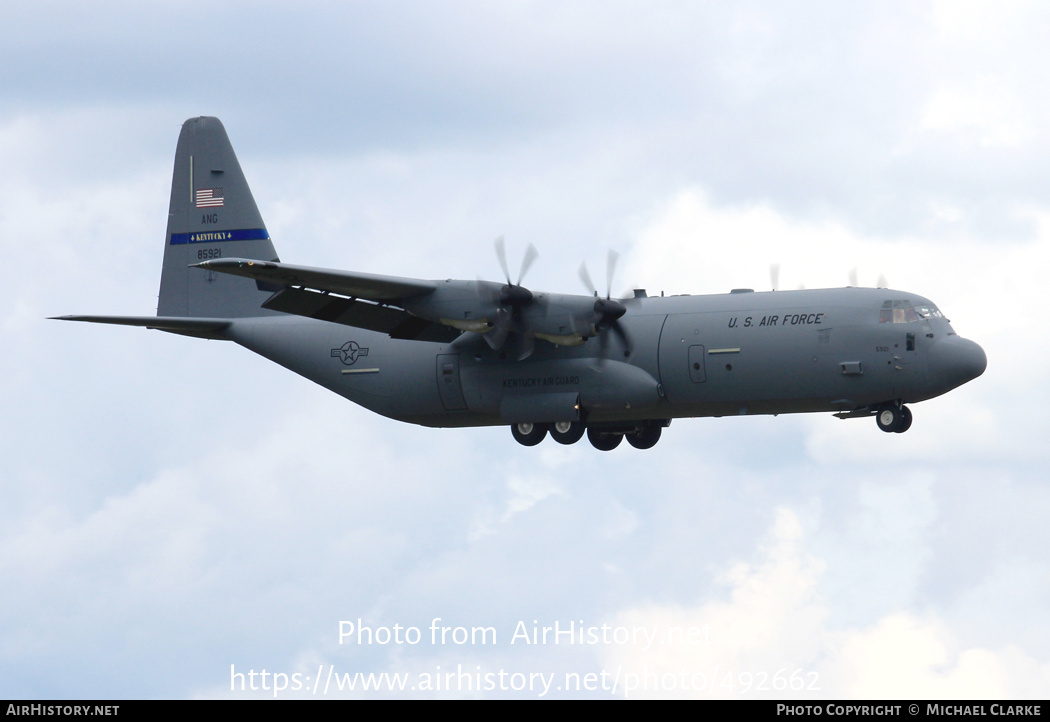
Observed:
{"x":211,"y":215}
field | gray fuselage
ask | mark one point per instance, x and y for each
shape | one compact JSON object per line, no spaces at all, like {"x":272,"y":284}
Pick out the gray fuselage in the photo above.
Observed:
{"x":714,"y":355}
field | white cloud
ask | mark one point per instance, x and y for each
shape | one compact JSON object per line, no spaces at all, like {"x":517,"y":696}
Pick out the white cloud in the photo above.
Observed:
{"x":904,"y":656}
{"x":986,"y":108}
{"x":771,"y":634}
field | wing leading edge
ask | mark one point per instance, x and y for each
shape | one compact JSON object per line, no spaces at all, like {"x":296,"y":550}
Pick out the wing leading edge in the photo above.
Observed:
{"x":356,"y":285}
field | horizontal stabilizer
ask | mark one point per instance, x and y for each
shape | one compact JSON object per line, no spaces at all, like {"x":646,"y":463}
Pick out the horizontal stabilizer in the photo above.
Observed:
{"x":357,"y":285}
{"x":213,"y":328}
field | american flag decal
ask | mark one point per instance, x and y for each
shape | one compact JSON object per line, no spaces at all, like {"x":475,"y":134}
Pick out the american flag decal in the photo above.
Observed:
{"x":209,"y":198}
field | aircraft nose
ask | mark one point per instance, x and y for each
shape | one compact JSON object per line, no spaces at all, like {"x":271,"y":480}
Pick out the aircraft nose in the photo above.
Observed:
{"x":957,"y":360}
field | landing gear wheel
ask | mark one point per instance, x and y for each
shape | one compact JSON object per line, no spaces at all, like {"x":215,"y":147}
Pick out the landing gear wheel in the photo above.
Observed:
{"x":905,"y":422}
{"x":567,"y":432}
{"x":893,"y":419}
{"x":603,"y":441}
{"x":645,"y":437}
{"x":528,"y":434}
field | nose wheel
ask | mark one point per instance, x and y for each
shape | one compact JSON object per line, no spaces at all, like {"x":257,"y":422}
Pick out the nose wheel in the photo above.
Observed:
{"x":895,"y":419}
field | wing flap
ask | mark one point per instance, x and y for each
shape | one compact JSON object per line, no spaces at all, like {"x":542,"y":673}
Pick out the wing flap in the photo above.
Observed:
{"x":360,"y":314}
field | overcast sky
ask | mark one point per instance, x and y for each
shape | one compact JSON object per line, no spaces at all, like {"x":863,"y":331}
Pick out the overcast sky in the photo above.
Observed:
{"x":172,"y":508}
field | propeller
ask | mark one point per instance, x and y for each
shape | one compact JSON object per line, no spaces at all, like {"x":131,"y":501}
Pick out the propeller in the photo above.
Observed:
{"x":531,"y":254}
{"x":774,"y":276}
{"x":511,"y":299}
{"x":607,"y":311}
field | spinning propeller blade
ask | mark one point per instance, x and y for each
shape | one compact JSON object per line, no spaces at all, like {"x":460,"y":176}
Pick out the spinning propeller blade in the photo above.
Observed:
{"x":607,"y":311}
{"x":511,"y":299}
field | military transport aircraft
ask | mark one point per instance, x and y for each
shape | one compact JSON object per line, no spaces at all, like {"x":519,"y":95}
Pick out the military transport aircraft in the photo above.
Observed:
{"x":448,"y":353}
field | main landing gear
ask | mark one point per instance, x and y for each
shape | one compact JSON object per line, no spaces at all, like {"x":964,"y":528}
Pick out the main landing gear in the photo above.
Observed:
{"x":528,"y":434}
{"x":642,"y":435}
{"x":567,"y":432}
{"x":894,"y":419}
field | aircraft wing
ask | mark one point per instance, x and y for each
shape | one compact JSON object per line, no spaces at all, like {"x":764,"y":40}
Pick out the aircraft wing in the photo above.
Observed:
{"x":356,"y":285}
{"x":363,"y":300}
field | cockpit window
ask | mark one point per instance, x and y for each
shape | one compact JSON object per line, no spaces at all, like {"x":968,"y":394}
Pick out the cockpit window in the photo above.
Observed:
{"x":903,"y":311}
{"x":928,"y":312}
